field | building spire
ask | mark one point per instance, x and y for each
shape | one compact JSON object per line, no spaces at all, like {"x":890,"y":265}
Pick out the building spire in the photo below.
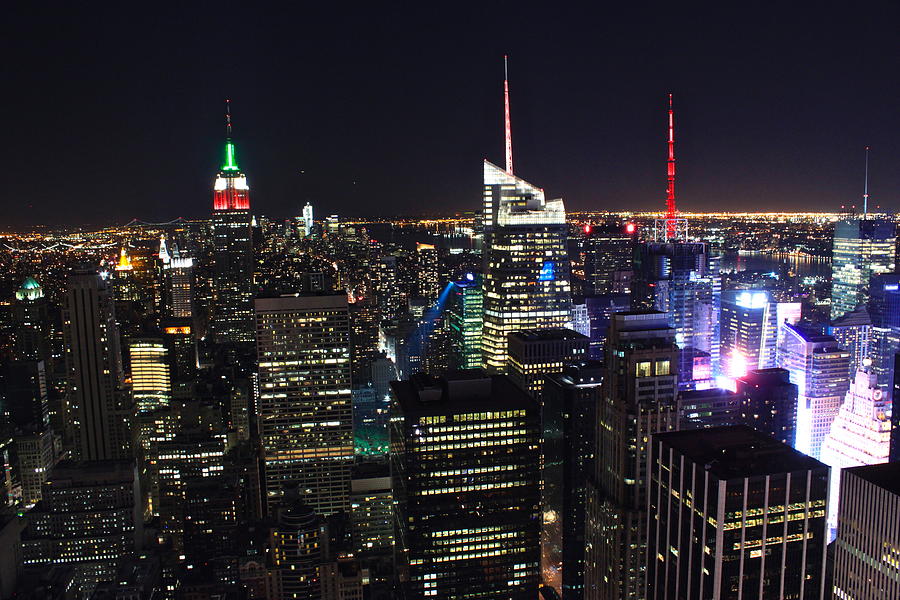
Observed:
{"x":509,"y":160}
{"x":866,"y":187}
{"x":671,"y":210}
{"x":230,"y":163}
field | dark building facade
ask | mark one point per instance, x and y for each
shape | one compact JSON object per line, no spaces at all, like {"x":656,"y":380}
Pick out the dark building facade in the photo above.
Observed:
{"x":769,"y":403}
{"x":464,"y":464}
{"x":733,"y":514}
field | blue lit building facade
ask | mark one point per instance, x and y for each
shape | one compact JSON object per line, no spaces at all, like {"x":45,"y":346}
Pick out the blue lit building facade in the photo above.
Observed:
{"x":884,"y":310}
{"x":818,"y":366}
{"x":863,"y":247}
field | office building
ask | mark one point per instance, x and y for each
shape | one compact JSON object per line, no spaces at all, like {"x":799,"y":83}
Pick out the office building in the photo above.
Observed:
{"x":768,"y":403}
{"x":867,"y":548}
{"x":24,"y":394}
{"x":639,"y":400}
{"x":748,"y":332}
{"x":600,"y":310}
{"x":37,"y":454}
{"x":853,"y":333}
{"x":706,"y":408}
{"x":98,"y":411}
{"x":863,"y":247}
{"x":232,"y":281}
{"x":305,"y":399}
{"x":391,"y":299}
{"x":178,"y":282}
{"x":151,"y":384}
{"x":371,"y":506}
{"x":682,"y":280}
{"x":860,"y":434}
{"x":89,"y":517}
{"x":606,"y":252}
{"x":307,"y":219}
{"x":429,"y":276}
{"x":571,"y":400}
{"x":537,"y":353}
{"x":818,"y":367}
{"x":180,"y":341}
{"x":465,"y":319}
{"x":734,"y":514}
{"x":32,"y":322}
{"x":526,"y":265}
{"x":884,"y":310}
{"x":464,"y":463}
{"x":297,"y":547}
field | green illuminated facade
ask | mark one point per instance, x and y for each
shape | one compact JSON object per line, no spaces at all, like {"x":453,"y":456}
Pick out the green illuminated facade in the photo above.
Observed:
{"x":465,"y":317}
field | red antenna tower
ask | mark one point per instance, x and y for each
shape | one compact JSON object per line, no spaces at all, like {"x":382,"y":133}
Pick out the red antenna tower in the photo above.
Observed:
{"x":671,"y":211}
{"x":509,"y":163}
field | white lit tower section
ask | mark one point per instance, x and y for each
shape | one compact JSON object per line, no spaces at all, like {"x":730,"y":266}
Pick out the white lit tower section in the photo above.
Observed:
{"x":307,"y":219}
{"x":232,"y":319}
{"x":526,"y":265}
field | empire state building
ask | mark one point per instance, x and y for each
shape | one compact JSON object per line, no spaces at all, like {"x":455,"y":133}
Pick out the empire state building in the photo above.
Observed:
{"x":232,"y":306}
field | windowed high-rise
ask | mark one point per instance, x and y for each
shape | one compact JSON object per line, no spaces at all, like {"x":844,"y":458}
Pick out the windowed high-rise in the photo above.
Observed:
{"x":465,"y":318}
{"x":526,"y":265}
{"x":884,"y":344}
{"x":682,"y":280}
{"x":305,"y":398}
{"x":863,"y":247}
{"x":98,"y":411}
{"x":853,"y":332}
{"x":748,"y":332}
{"x":232,"y":306}
{"x":151,"y":383}
{"x":464,"y":463}
{"x":867,"y":548}
{"x":734,"y":514}
{"x":639,"y":400}
{"x":818,"y":367}
{"x":178,"y":282}
{"x":571,"y":401}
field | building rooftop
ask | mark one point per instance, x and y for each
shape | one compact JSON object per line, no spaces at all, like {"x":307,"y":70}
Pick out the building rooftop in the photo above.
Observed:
{"x":459,"y":392}
{"x":738,"y":452}
{"x":541,"y":335}
{"x":886,"y":475}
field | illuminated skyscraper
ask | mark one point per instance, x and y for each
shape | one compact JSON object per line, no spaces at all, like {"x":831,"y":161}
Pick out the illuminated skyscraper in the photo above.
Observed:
{"x":178,"y":282}
{"x":305,"y":398}
{"x":748,"y":332}
{"x":734,"y":514}
{"x":465,"y":319}
{"x":151,"y":383}
{"x":853,"y":332}
{"x":884,"y":310}
{"x":526,"y":278}
{"x":818,"y":367}
{"x":639,"y":400}
{"x":429,"y":284}
{"x":464,"y":463}
{"x":606,"y":252}
{"x":860,"y":434}
{"x":232,"y":307}
{"x":98,"y":412}
{"x":863,"y":247}
{"x":307,"y":219}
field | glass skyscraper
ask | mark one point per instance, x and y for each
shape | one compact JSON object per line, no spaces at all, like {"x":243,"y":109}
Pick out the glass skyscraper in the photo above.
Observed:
{"x":526,"y":265}
{"x":862,"y":248}
{"x":884,"y":310}
{"x":465,"y":318}
{"x":818,"y":367}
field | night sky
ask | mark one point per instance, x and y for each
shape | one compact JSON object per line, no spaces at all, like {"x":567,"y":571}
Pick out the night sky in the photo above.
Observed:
{"x":115,"y":111}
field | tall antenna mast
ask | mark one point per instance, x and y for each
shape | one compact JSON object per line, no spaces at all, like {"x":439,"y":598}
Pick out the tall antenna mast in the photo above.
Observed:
{"x":866,"y":187}
{"x":509,"y":162}
{"x":671,"y":211}
{"x":228,"y":119}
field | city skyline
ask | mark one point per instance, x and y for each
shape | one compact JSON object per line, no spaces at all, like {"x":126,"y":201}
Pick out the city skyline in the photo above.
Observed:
{"x":772,"y":110}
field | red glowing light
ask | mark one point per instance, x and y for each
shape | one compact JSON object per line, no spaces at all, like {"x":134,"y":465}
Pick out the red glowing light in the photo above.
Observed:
{"x":587,"y":228}
{"x":630,"y":228}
